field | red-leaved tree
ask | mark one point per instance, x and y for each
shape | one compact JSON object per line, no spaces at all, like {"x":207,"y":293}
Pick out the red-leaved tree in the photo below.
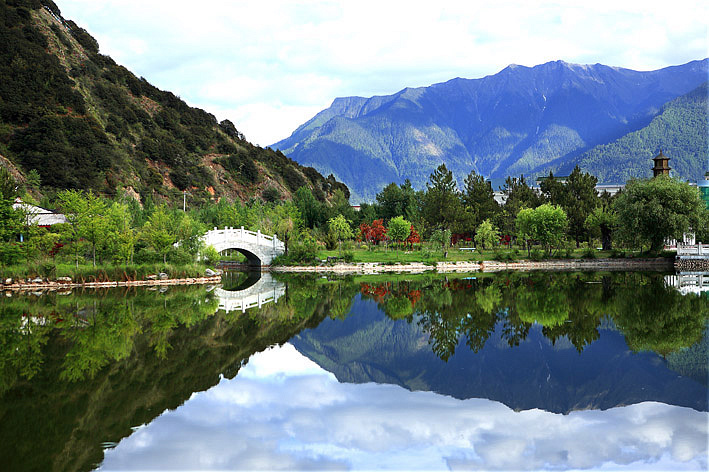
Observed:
{"x":374,"y":233}
{"x":413,"y":238}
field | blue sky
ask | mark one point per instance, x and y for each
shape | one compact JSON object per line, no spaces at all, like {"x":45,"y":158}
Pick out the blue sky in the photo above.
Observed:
{"x":271,"y":65}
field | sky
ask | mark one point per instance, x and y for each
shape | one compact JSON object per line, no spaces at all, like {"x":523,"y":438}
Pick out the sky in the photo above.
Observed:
{"x":284,"y":412}
{"x":269,"y":66}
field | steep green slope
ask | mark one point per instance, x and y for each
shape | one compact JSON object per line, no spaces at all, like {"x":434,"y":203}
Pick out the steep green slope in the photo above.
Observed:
{"x":680,"y":130}
{"x":83,"y":121}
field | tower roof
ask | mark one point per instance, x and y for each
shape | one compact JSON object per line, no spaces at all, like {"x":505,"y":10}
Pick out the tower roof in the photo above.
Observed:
{"x":662,"y":165}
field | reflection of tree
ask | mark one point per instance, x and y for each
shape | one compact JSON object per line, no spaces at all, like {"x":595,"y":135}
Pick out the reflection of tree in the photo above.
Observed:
{"x":692,"y":361}
{"x":549,"y":307}
{"x":340,"y":295}
{"x":586,"y":308}
{"x":658,"y":318}
{"x":488,"y":299}
{"x":307,"y":295}
{"x":106,"y":335}
{"x":566,"y":305}
{"x":22,"y":339}
{"x":398,"y":307}
{"x":57,"y":416}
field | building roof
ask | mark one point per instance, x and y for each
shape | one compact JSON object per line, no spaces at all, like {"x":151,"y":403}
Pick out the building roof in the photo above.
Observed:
{"x":661,"y":163}
{"x":37,"y":215}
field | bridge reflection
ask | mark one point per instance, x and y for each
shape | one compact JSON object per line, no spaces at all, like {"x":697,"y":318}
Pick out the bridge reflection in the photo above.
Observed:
{"x":689,"y":282}
{"x":252,"y":291}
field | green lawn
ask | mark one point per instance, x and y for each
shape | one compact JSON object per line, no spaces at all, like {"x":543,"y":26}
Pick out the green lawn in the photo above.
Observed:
{"x":102,"y":272}
{"x":431,"y":255}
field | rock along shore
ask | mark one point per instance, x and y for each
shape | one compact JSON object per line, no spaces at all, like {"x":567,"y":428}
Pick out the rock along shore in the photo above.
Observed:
{"x":61,"y":285}
{"x":659,"y":264}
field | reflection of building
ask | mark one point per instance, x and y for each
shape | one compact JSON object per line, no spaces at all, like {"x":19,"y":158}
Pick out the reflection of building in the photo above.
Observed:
{"x":265,"y":290}
{"x":689,"y":282}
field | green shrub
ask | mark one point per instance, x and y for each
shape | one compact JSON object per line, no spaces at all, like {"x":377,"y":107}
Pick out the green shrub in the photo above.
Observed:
{"x":617,"y":254}
{"x":146,"y":255}
{"x":503,"y":256}
{"x":210,"y":256}
{"x":589,"y":253}
{"x":271,"y":194}
{"x":180,"y":256}
{"x":536,"y":255}
{"x":302,"y":250}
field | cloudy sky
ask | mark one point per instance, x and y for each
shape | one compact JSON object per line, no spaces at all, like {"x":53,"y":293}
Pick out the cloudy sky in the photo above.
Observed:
{"x":283,"y":412}
{"x":270,"y":65}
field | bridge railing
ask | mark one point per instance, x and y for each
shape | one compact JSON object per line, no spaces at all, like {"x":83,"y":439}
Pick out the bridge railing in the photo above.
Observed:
{"x":233,"y":301}
{"x":693,"y":250}
{"x":245,"y":235}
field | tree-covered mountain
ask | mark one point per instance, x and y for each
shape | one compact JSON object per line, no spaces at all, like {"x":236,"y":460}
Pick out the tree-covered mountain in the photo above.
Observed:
{"x":516,"y":121}
{"x":680,"y":130}
{"x":82,"y":121}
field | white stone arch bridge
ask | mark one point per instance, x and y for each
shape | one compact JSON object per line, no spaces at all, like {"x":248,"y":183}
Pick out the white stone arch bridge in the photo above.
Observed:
{"x":265,"y":290}
{"x":259,"y":249}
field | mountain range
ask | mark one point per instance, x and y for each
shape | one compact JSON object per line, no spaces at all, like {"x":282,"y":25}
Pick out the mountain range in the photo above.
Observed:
{"x":522,"y":120}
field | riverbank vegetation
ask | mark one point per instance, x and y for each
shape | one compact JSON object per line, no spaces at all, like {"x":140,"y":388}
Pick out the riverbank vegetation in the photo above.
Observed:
{"x":123,"y":237}
{"x":564,"y":218}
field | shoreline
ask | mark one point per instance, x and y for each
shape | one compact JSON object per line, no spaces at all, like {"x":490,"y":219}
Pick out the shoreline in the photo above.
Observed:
{"x":54,"y":285}
{"x":657,"y":264}
{"x":652,"y":264}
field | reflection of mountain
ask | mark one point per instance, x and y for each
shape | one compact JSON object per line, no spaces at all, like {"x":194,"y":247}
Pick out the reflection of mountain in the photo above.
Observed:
{"x":369,"y":347}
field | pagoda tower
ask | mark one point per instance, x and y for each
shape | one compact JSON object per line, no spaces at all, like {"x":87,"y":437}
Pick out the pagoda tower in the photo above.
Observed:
{"x":662,"y":166}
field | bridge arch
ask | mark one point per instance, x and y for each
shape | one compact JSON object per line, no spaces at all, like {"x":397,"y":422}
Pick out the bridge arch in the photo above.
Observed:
{"x":260,"y":249}
{"x":259,"y":289}
{"x":252,"y":259}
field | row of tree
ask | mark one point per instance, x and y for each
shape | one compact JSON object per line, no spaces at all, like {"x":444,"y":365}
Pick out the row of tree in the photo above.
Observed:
{"x":122,"y":230}
{"x":570,"y":209}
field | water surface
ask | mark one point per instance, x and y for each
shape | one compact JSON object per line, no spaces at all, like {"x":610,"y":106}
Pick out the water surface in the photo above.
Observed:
{"x":504,"y":371}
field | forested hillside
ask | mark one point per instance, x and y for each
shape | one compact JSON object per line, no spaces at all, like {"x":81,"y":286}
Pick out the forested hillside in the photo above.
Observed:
{"x":680,"y":130}
{"x":70,"y":117}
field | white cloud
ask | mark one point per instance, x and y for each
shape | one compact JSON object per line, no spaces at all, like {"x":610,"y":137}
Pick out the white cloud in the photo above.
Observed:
{"x":282,"y":55}
{"x":283,"y":412}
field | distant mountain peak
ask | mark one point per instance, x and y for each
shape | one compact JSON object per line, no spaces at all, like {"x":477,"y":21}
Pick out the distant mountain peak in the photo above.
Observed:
{"x":520,"y":120}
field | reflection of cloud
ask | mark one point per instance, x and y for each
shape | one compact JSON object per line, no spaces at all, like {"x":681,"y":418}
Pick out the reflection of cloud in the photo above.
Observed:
{"x":284,"y":412}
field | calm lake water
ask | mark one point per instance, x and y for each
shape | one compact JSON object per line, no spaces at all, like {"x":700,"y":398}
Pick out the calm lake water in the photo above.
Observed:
{"x":507,"y":371}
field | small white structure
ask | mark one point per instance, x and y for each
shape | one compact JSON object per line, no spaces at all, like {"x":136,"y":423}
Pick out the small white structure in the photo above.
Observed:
{"x":259,"y":249}
{"x":265,"y":290}
{"x":693,"y":251}
{"x":37,"y":215}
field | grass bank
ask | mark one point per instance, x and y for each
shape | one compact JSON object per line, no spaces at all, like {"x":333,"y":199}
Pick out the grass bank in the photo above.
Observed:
{"x":433,"y":256}
{"x":100,"y":273}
